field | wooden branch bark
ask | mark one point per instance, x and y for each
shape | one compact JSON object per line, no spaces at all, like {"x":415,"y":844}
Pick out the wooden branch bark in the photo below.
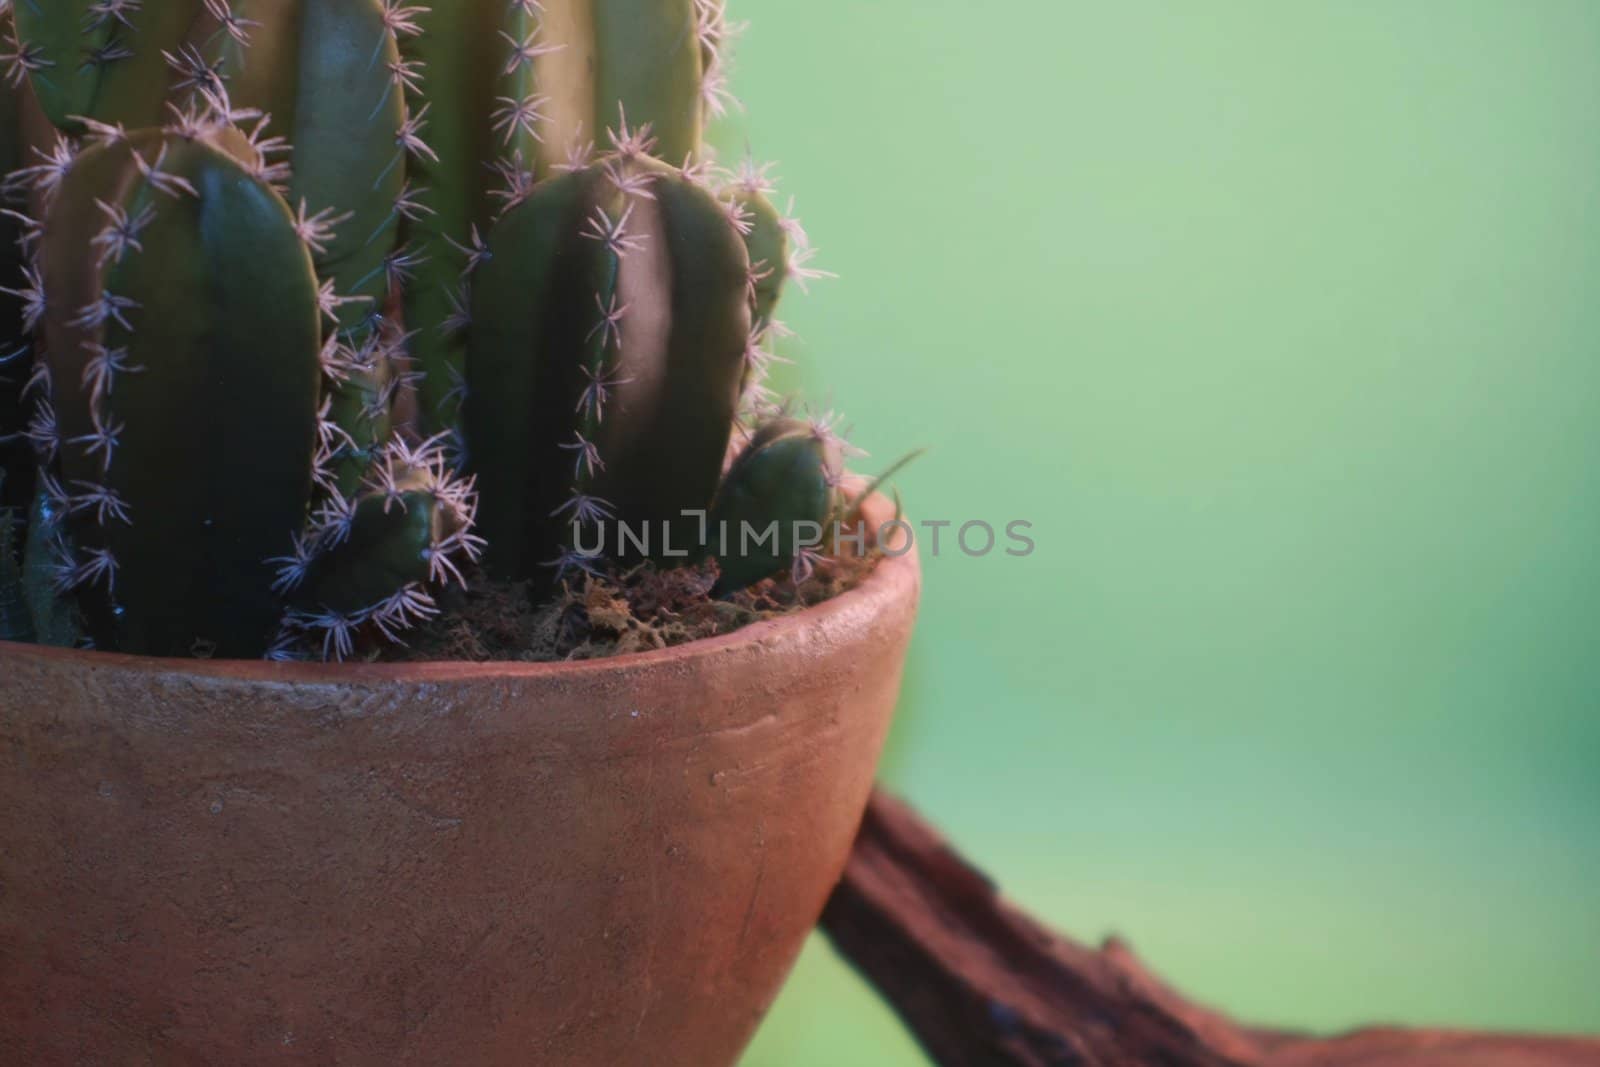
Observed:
{"x":981,"y":984}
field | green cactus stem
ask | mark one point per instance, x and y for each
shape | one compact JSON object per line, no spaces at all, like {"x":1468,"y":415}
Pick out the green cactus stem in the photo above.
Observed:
{"x":521,"y":92}
{"x":17,"y":231}
{"x":788,"y":474}
{"x":358,"y":406}
{"x":16,"y":621}
{"x":326,"y":76}
{"x":479,"y":60}
{"x":322,"y":76}
{"x":606,"y":350}
{"x":49,"y":566}
{"x":373,"y":557}
{"x":300,"y":260}
{"x":184,"y":347}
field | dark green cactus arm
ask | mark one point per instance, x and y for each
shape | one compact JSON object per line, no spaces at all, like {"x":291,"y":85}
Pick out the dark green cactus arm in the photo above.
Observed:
{"x":372,"y":558}
{"x":16,"y":453}
{"x":351,"y":155}
{"x":649,"y":66}
{"x":387,"y":548}
{"x":680,"y":393}
{"x":16,"y":622}
{"x":786,"y":475}
{"x":16,"y":347}
{"x":609,"y":331}
{"x":328,"y":74}
{"x":515,"y":391}
{"x":208,"y":415}
{"x":430,"y":303}
{"x":349,"y":162}
{"x":396,"y":539}
{"x":49,"y":565}
{"x":324,"y":70}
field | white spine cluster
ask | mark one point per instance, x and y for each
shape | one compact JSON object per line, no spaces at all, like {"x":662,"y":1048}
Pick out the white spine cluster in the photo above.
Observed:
{"x":403,"y":470}
{"x":109,"y":322}
{"x":717,"y":36}
{"x":734,"y":187}
{"x":23,"y":60}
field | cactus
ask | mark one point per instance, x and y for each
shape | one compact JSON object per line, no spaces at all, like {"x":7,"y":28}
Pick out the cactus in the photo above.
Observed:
{"x":273,"y":271}
{"x":518,"y":92}
{"x":193,"y":343}
{"x":783,"y":485}
{"x":187,"y":352}
{"x":610,"y":325}
{"x":16,"y":346}
{"x":48,"y":561}
{"x":619,"y":308}
{"x":16,"y":621}
{"x":220,"y":366}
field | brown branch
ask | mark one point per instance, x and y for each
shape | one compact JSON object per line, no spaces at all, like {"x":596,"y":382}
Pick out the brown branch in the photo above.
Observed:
{"x":981,"y":984}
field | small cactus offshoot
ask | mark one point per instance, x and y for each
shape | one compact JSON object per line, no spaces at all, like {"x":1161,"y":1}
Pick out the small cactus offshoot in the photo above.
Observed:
{"x":306,"y":306}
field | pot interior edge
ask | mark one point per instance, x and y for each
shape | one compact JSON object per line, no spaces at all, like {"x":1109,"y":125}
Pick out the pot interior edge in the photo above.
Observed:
{"x":893,"y":580}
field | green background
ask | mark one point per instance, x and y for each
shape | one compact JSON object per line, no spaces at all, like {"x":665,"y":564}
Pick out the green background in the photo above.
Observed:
{"x":1281,"y":323}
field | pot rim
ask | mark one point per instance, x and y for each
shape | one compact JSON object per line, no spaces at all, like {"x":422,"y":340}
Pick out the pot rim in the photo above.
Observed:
{"x":894,"y":577}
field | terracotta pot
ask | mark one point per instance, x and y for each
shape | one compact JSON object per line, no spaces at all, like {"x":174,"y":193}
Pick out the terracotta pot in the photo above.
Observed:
{"x":606,"y":863}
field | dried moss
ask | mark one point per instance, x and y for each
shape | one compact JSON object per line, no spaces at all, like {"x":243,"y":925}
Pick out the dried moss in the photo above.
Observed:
{"x":594,"y":617}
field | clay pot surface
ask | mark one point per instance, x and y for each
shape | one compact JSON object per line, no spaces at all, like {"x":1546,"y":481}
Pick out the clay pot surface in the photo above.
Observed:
{"x":604,"y":863}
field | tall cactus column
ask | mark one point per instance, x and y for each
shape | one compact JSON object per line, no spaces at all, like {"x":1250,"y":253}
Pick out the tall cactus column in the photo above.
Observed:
{"x":183,"y":335}
{"x":610,"y":322}
{"x":521,"y":92}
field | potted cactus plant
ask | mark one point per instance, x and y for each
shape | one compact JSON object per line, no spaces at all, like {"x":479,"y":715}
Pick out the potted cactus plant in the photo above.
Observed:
{"x":316,"y":312}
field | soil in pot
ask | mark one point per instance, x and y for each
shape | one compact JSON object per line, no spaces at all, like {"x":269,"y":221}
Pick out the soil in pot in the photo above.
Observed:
{"x":593,"y":617}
